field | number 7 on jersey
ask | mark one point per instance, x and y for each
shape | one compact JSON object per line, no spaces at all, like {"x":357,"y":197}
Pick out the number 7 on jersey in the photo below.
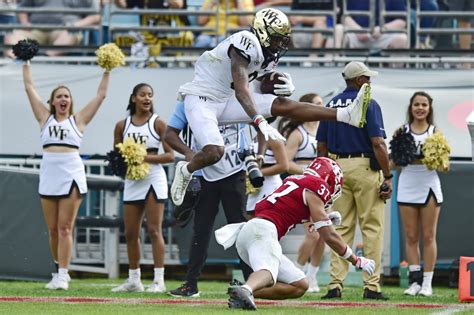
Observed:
{"x":290,"y":187}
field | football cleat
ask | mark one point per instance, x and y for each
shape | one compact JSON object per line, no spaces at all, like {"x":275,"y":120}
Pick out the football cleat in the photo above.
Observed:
{"x":180,"y":183}
{"x":240,"y":298}
{"x":358,"y":108}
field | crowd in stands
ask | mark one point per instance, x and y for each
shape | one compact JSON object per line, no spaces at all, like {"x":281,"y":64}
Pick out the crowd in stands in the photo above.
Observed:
{"x":331,"y":26}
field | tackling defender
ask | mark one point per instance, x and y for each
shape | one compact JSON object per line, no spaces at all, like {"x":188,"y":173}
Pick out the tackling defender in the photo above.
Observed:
{"x":299,"y":199}
{"x":220,"y":93}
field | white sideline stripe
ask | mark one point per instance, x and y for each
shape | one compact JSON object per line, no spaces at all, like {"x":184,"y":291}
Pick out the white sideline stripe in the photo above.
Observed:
{"x":453,"y":310}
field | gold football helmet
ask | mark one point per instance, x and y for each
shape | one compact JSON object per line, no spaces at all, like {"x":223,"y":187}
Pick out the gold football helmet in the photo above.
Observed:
{"x":273,"y":30}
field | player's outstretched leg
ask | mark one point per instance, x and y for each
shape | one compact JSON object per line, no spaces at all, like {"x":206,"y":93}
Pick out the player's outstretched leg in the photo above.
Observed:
{"x":240,"y":298}
{"x":353,"y":114}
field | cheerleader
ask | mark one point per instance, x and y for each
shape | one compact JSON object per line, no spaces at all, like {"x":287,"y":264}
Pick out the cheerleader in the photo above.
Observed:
{"x":147,"y":195}
{"x":62,"y":181}
{"x":301,"y":150}
{"x":419,"y":198}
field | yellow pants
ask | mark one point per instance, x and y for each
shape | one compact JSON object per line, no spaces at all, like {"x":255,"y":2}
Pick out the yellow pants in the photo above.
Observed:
{"x":359,"y":202}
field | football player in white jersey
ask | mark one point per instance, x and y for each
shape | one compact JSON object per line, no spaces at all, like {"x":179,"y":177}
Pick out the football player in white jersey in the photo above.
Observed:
{"x":222,"y":182}
{"x":220,"y":93}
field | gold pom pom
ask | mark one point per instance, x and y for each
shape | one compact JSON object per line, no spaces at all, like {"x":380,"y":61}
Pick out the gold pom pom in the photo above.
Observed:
{"x":134,"y":155}
{"x":436,"y":152}
{"x":249,"y":189}
{"x":110,"y":56}
{"x":138,"y":171}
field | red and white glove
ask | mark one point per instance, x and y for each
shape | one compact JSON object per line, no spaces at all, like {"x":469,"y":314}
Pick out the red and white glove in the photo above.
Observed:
{"x":335,"y":217}
{"x":267,"y":130}
{"x":285,"y":89}
{"x":368,"y":265}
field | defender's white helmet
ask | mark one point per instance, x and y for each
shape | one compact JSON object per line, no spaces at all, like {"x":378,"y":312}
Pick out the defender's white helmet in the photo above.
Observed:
{"x":273,"y":30}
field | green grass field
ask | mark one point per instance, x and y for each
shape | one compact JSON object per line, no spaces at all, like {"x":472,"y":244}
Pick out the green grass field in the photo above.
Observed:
{"x":93,"y":296}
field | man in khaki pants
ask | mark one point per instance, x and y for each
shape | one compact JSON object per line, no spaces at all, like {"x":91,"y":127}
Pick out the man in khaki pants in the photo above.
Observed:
{"x":362,"y":155}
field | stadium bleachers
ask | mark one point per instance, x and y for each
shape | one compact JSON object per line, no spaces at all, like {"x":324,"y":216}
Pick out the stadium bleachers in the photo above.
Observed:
{"x":117,"y":25}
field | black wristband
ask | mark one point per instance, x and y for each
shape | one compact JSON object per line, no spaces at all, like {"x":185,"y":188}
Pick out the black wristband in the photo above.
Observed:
{"x":389,"y":176}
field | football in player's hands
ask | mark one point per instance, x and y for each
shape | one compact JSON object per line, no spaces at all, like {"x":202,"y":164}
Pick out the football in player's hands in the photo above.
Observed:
{"x":268,"y":81}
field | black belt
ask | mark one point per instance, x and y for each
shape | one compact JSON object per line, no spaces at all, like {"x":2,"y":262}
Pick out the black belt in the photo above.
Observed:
{"x":352,"y":155}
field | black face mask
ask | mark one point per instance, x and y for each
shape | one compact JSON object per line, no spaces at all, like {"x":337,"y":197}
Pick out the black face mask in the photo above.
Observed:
{"x":274,"y":54}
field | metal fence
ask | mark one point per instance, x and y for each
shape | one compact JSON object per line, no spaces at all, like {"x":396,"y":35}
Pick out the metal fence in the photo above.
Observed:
{"x":117,"y":27}
{"x":101,"y":249}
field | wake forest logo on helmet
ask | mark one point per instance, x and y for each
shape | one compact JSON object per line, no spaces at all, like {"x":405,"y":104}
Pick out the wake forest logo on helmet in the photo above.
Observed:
{"x":272,"y":28}
{"x":271,"y":16}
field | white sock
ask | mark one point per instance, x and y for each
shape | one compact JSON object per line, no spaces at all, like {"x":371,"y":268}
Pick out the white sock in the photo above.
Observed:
{"x":185,"y":170}
{"x":427,"y":279}
{"x":159,"y":275}
{"x":414,"y":268}
{"x":134,"y":274}
{"x":312,"y":271}
{"x":62,"y":272}
{"x":300,"y":266}
{"x":248,"y":288}
{"x":342,"y":114}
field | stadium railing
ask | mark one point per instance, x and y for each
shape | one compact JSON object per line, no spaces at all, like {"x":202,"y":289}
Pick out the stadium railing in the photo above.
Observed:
{"x":441,"y":14}
{"x":303,"y":53}
{"x":50,"y":27}
{"x":103,"y":244}
{"x":168,"y":29}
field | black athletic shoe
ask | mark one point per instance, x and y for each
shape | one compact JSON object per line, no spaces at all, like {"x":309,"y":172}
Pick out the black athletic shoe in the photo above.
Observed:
{"x":185,"y":290}
{"x":372,"y":295}
{"x":332,"y":294}
{"x":240,"y":298}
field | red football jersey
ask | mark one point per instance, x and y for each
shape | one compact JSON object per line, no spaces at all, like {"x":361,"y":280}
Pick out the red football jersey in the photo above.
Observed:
{"x":286,"y":206}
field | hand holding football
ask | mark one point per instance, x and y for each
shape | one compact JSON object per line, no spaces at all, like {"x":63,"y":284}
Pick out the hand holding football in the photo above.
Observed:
{"x":267,"y":84}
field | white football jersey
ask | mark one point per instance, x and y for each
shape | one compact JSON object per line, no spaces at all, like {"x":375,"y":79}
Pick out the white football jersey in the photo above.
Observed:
{"x":212,"y":71}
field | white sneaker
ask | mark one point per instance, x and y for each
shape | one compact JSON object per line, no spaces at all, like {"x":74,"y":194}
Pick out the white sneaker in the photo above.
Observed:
{"x":358,"y":108}
{"x":413,"y":290}
{"x":156,"y":287}
{"x":313,"y":286}
{"x":426,"y":291}
{"x":58,"y":282}
{"x":130,"y":286}
{"x":179,"y":185}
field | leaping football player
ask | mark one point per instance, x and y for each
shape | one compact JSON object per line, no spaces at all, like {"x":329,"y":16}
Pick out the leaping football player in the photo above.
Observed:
{"x":220,"y":93}
{"x":301,"y":198}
